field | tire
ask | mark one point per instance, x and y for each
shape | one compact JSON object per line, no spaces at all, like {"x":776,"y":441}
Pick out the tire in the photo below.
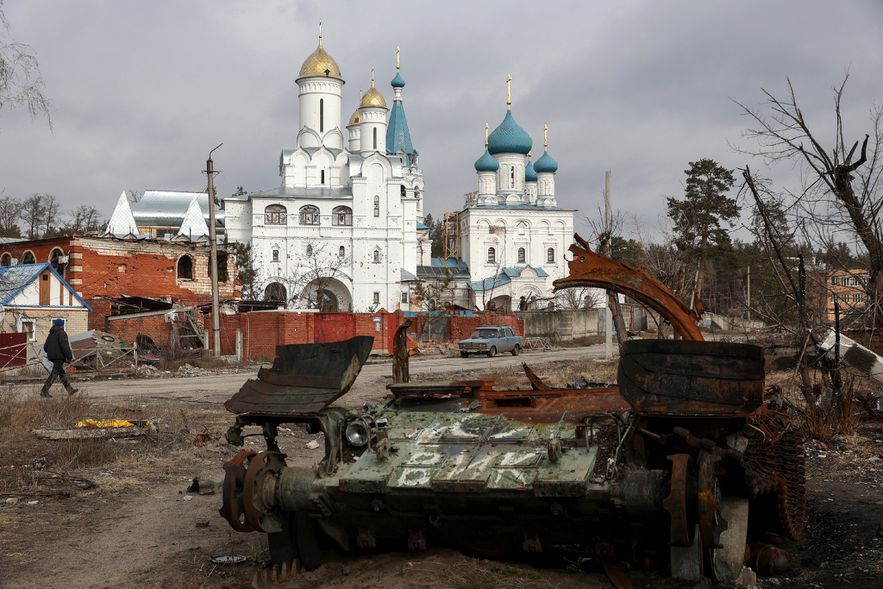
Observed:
{"x":464,"y":354}
{"x":492,"y":352}
{"x":516,"y":350}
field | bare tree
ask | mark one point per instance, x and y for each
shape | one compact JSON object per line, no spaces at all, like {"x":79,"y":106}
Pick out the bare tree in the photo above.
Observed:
{"x":20,"y":81}
{"x":315,"y":273}
{"x":83,"y":219}
{"x":50,"y":212}
{"x":840,"y":193}
{"x":10,"y":207}
{"x":32,"y":213}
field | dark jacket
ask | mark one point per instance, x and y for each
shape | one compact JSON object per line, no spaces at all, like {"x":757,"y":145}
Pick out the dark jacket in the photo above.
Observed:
{"x":57,"y":348}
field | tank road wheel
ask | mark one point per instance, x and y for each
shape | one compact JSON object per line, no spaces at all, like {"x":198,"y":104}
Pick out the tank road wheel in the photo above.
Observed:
{"x":233,"y":504}
{"x":516,"y":350}
{"x":492,"y":352}
{"x":777,"y":477}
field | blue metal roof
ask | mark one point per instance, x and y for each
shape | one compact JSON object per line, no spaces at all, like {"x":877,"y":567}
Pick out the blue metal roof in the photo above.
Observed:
{"x":486,"y":163}
{"x":546,"y":163}
{"x":504,"y":277}
{"x":530,"y":175}
{"x":509,"y":137}
{"x":422,"y":225}
{"x":398,"y":136}
{"x":14,"y":279}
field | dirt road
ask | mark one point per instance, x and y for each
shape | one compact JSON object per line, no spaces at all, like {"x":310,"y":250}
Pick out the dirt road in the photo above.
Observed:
{"x":369,"y":386}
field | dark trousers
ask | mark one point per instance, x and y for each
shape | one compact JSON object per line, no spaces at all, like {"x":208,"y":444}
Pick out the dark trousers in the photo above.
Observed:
{"x":59,"y":373}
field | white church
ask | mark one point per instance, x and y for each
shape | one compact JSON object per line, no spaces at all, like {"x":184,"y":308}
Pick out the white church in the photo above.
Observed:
{"x":343,"y":230}
{"x":340,"y":233}
{"x":513,"y":236}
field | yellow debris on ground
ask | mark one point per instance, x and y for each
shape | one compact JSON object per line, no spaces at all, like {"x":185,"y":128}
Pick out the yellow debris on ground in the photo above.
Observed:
{"x":98,"y":423}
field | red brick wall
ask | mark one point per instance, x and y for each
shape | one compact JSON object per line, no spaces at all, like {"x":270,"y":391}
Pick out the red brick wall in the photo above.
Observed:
{"x":154,"y":326}
{"x":460,"y":326}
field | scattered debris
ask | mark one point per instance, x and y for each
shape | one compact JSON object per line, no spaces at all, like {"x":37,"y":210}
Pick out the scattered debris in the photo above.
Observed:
{"x":203,"y":438}
{"x":202,"y":524}
{"x":11,"y":500}
{"x":90,"y":433}
{"x":229,"y":559}
{"x":104,"y":423}
{"x":312,"y":444}
{"x":33,"y":502}
{"x":204,"y":487}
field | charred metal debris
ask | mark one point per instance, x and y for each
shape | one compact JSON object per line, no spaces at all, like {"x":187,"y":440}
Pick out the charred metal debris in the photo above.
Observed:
{"x":683,"y":466}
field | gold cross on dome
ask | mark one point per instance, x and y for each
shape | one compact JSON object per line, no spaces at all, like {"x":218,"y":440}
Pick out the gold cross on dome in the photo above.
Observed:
{"x":509,"y":92}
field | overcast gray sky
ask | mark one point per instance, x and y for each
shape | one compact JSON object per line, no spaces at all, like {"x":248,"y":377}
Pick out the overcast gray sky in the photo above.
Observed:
{"x":141,"y":91}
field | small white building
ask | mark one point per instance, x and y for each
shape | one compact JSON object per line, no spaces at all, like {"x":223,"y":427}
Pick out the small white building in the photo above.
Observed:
{"x":32,"y":296}
{"x":340,"y":231}
{"x":513,"y":235}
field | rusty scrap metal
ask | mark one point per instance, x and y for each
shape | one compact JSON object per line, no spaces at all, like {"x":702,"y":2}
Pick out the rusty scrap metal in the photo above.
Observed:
{"x":304,"y":378}
{"x":232,"y":506}
{"x":400,"y":368}
{"x":588,"y":269}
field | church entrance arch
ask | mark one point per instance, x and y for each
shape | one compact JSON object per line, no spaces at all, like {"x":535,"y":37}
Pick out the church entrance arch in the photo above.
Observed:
{"x":328,"y":295}
{"x":276,"y":293}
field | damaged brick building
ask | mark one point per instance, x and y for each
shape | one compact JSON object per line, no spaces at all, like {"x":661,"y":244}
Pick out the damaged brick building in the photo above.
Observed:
{"x":105,"y":270}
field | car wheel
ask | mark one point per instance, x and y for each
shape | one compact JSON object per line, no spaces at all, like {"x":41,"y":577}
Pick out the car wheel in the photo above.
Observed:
{"x":492,"y":352}
{"x":516,"y":350}
{"x":464,"y":354}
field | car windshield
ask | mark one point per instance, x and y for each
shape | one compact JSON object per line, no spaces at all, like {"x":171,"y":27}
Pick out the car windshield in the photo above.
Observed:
{"x":483,"y":334}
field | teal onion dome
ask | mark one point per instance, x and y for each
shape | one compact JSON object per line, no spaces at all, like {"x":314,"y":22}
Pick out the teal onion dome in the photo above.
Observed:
{"x":486,"y":163}
{"x":509,"y":137}
{"x":398,"y":81}
{"x":530,"y":175}
{"x":546,"y":164}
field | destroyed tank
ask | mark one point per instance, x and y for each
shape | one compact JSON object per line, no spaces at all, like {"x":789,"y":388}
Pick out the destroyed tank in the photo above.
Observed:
{"x":679,"y":466}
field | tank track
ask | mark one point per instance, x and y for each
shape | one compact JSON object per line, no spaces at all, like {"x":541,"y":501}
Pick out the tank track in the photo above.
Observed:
{"x":778,"y":469}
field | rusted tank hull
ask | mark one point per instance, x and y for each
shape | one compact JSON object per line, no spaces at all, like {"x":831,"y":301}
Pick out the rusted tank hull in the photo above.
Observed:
{"x":687,"y":378}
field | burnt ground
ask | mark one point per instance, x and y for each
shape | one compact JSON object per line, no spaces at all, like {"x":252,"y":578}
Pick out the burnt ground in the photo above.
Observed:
{"x":136,"y":525}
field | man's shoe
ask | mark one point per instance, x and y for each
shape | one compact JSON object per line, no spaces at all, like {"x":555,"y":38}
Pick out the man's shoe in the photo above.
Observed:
{"x":45,"y":394}
{"x":72,"y":391}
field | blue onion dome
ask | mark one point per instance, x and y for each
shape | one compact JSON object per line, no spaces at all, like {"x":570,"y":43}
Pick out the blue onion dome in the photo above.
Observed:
{"x":509,"y":137}
{"x":398,"y":81}
{"x":546,"y":164}
{"x":530,"y":175}
{"x":486,"y":163}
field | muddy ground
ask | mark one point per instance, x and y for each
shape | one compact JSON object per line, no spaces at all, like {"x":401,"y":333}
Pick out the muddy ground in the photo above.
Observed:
{"x":117,"y":513}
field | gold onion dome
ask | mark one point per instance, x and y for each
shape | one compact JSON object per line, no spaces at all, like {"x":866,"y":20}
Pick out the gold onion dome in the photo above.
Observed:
{"x":355,"y":119}
{"x":319,"y":63}
{"x":372,"y":98}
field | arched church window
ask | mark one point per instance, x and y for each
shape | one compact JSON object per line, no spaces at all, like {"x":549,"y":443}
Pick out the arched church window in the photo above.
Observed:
{"x":341,"y":252}
{"x":322,"y":118}
{"x":275,"y":215}
{"x":6,"y":259}
{"x":550,"y":255}
{"x":491,"y":255}
{"x":522,"y":256}
{"x":375,"y":137}
{"x":376,"y":255}
{"x":28,"y":258}
{"x":58,"y":260}
{"x":322,"y":177}
{"x":275,"y":255}
{"x":512,"y":177}
{"x":376,"y":206}
{"x":309,"y":250}
{"x":185,"y":267}
{"x":309,"y":215}
{"x":342,"y":216}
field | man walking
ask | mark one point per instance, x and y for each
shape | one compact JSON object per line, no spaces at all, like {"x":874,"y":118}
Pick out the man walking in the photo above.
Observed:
{"x":58,"y":351}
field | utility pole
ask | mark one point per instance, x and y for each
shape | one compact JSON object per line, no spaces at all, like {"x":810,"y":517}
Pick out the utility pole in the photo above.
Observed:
{"x":749,"y":294}
{"x":213,"y":255}
{"x":608,"y":229}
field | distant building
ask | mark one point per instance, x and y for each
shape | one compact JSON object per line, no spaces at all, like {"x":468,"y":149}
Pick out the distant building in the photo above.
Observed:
{"x":848,"y":287}
{"x":163,"y":214}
